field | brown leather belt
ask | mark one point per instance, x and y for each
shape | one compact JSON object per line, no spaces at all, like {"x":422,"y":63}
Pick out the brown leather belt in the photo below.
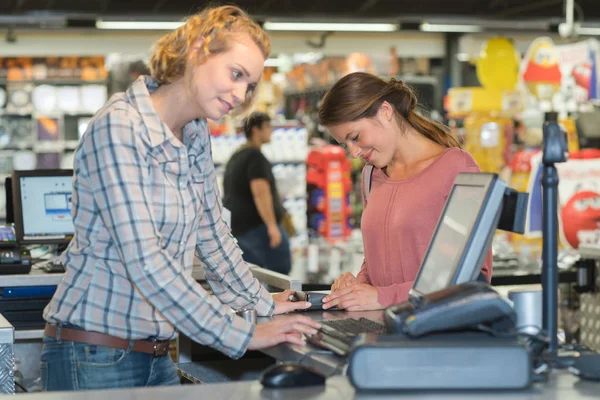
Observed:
{"x":157,"y":349}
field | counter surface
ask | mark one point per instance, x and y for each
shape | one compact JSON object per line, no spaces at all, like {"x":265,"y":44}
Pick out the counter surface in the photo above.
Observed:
{"x":561,"y":386}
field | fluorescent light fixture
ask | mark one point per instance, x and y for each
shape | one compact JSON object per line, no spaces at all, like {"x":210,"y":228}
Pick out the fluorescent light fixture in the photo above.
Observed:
{"x":458,"y":28}
{"x":329,"y":27}
{"x":463,"y":57}
{"x":272,"y":62}
{"x":138,"y":25}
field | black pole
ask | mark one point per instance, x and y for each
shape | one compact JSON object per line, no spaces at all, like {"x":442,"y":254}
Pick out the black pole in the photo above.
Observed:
{"x":550,"y":256}
{"x":555,"y":150}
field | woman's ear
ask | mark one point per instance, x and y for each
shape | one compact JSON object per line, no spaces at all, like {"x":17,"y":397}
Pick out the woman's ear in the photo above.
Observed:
{"x":197,"y":51}
{"x":386,"y":111}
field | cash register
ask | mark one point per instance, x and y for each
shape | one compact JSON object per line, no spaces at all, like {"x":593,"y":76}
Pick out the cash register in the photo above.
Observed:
{"x":453,"y":332}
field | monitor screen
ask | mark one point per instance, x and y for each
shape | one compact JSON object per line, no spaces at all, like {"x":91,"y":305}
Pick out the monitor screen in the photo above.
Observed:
{"x":451,"y":237}
{"x":44,"y":212}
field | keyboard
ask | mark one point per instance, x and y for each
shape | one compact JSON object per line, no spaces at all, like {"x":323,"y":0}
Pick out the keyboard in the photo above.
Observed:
{"x":338,"y":335}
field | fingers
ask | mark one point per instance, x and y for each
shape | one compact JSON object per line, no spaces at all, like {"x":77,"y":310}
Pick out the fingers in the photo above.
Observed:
{"x":345,"y":280}
{"x":284,"y":307}
{"x":284,"y":329}
{"x":275,"y":239}
{"x":340,"y":298}
{"x":345,"y":283}
{"x":283,"y":296}
{"x":297,"y":319}
{"x":294,"y":338}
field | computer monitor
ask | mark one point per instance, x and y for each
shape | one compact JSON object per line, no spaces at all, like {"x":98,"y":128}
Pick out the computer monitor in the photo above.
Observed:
{"x":463,"y":235}
{"x":42,"y":206}
{"x":9,"y":216}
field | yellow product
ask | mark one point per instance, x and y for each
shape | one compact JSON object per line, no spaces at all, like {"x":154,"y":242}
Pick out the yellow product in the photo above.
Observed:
{"x":573,"y":140}
{"x":486,"y":141}
{"x":467,"y":100}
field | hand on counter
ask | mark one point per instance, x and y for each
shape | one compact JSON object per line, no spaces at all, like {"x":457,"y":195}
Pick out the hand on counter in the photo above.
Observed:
{"x":285,"y":329}
{"x":283,"y":304}
{"x":356,"y":297}
{"x":345,"y":280}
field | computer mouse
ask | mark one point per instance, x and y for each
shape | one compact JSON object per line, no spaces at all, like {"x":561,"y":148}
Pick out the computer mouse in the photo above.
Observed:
{"x":586,"y":366}
{"x":281,"y":376}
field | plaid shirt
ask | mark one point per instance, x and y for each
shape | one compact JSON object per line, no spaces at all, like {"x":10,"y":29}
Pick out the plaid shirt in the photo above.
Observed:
{"x":142,"y":201}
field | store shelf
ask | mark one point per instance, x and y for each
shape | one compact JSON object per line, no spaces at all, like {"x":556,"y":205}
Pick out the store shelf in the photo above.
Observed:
{"x":55,"y":81}
{"x":589,"y":251}
{"x":29,"y":334}
{"x":35,"y":278}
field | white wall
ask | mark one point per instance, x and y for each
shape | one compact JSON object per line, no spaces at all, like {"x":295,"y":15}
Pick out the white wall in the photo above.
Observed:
{"x":45,"y":43}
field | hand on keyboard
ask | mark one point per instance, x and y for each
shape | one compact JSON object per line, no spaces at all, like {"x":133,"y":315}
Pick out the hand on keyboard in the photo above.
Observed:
{"x":283,"y":329}
{"x":357,"y":297}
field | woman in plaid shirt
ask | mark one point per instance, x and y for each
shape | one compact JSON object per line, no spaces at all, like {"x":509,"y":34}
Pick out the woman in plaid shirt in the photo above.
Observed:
{"x":145,"y":199}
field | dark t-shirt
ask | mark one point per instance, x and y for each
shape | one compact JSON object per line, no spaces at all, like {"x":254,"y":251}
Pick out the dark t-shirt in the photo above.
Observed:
{"x":245,"y":165}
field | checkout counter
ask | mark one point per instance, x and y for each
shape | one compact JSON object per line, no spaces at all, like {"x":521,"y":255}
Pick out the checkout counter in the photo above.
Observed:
{"x":561,"y":384}
{"x":27,"y":342}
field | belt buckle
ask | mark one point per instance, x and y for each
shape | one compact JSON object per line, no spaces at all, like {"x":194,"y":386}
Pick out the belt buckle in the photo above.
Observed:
{"x":159,"y":349}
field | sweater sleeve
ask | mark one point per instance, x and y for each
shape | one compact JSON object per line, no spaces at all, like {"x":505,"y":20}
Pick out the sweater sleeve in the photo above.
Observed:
{"x":393,"y":294}
{"x":363,"y":274}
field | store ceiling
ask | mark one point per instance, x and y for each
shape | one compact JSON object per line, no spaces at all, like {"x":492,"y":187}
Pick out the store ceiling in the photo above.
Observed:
{"x":411,"y":10}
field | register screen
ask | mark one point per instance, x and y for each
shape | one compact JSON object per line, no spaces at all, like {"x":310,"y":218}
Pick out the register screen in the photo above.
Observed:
{"x":46,"y":205}
{"x":450,"y":239}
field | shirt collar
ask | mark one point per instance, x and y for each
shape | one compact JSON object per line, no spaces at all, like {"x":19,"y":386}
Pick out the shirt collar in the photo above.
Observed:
{"x":139,"y":96}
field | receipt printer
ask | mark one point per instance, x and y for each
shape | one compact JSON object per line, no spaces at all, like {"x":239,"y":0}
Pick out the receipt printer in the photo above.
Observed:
{"x":15,"y":261}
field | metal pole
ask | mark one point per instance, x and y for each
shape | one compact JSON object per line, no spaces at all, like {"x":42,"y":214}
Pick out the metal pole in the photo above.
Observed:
{"x":550,"y":256}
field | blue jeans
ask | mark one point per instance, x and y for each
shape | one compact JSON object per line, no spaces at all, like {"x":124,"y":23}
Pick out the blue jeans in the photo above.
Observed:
{"x":255,"y":244}
{"x":67,"y":366}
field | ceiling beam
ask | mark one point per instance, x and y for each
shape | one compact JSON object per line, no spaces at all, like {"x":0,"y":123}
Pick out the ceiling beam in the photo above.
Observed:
{"x":105,"y":4}
{"x":525,"y":8}
{"x":367,"y":5}
{"x":18,"y":5}
{"x":159,"y":4}
{"x":265,"y":6}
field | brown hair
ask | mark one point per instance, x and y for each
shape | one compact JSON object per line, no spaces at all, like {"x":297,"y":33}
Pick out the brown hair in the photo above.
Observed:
{"x":359,"y":95}
{"x":216,"y":25}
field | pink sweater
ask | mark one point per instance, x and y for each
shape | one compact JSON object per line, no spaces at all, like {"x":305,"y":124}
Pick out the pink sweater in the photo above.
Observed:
{"x":398,"y":222}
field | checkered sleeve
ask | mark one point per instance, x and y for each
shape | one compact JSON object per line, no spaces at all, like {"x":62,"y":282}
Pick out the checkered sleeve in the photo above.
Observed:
{"x":225,"y":270}
{"x":117,"y":169}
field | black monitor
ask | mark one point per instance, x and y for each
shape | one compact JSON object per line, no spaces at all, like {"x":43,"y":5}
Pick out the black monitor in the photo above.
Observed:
{"x":463,"y":235}
{"x":9,"y":215}
{"x":42,"y":206}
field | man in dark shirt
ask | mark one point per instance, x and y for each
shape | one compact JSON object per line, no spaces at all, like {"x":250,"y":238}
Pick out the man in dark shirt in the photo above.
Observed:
{"x":251,"y":196}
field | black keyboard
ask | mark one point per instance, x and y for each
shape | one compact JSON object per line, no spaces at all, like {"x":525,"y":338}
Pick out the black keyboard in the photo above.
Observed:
{"x":338,"y":335}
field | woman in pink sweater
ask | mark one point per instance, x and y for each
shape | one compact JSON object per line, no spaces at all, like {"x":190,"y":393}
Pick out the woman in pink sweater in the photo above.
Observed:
{"x":416,"y":161}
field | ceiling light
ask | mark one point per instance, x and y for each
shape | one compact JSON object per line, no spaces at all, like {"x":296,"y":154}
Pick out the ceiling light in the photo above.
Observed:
{"x":138,"y":25}
{"x":329,"y":27}
{"x":588,"y":31}
{"x":463,"y":57}
{"x":458,"y":28}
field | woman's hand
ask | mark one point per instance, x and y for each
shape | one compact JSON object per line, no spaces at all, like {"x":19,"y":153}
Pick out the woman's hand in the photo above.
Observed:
{"x":284,"y":329}
{"x":356,"y":297}
{"x":345,"y":280}
{"x":283,"y":304}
